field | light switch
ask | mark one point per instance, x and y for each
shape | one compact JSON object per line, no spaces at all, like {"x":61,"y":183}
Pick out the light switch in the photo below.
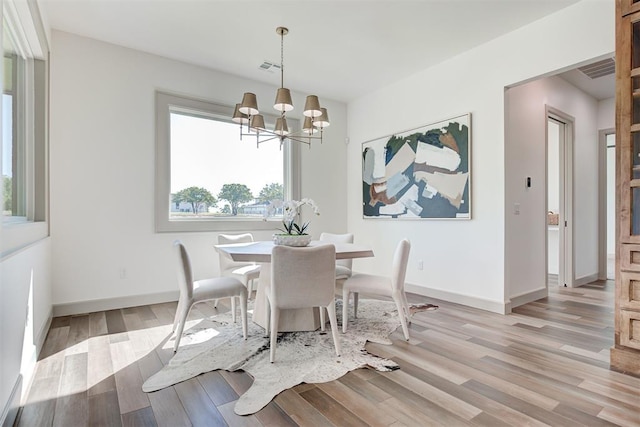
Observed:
{"x":516,"y":208}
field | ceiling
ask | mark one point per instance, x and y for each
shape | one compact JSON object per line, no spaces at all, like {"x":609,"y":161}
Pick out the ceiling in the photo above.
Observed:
{"x":335,"y":49}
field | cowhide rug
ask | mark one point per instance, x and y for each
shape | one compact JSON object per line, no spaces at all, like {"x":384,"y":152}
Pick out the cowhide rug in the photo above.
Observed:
{"x":309,"y":357}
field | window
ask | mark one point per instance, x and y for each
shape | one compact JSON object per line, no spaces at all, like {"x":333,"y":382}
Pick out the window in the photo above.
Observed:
{"x":24,"y":127}
{"x":208,"y":178}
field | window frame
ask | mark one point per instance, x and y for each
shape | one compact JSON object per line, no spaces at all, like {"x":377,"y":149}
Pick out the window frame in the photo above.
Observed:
{"x":165,"y":104}
{"x":23,"y":22}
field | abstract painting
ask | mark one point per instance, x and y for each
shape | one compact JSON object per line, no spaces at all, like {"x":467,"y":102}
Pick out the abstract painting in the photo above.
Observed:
{"x":420,"y":173}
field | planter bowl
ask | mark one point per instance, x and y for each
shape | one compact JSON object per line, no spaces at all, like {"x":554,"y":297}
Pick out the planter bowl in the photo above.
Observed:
{"x":292,"y":239}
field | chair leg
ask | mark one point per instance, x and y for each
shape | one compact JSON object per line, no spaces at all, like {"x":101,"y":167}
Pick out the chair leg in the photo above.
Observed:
{"x":275,"y":316}
{"x":177,"y":316}
{"x":355,"y":305}
{"x":345,"y":310}
{"x":403,"y":319}
{"x":243,"y":313}
{"x":184,"y":312}
{"x":233,"y":309}
{"x":249,"y":288}
{"x":322,"y":320}
{"x":331,"y":309}
{"x":406,"y":307}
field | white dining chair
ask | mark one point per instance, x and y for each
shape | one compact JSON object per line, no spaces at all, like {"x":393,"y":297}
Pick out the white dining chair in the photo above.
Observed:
{"x":193,"y":292}
{"x":343,"y":266}
{"x":301,"y":277}
{"x":246,"y":272}
{"x":392,"y":286}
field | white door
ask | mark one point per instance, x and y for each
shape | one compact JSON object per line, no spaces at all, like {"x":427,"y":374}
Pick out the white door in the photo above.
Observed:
{"x":559,"y":197}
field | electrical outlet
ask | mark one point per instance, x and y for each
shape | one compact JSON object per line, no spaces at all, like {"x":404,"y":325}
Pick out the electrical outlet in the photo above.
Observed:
{"x":420,"y":265}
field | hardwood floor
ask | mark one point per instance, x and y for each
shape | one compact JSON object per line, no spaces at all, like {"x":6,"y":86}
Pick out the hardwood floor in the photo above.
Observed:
{"x":546,"y":364}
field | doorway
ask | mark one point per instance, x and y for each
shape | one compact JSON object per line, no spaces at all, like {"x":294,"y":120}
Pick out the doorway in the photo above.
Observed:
{"x":559,"y":198}
{"x":607,"y":205}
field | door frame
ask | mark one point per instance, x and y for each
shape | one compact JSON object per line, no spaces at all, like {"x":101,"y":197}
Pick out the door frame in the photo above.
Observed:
{"x":566,"y":271}
{"x":602,"y":201}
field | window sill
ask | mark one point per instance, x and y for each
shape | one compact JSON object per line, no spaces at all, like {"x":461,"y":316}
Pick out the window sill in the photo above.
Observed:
{"x":17,"y":235}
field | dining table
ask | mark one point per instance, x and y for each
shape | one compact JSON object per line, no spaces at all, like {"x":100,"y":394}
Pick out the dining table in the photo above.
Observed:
{"x":291,"y":320}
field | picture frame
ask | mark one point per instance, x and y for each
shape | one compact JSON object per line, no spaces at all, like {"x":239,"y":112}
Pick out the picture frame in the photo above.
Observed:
{"x":422,"y":173}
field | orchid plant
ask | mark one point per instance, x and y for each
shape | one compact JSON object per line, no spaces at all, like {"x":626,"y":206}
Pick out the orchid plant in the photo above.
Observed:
{"x":291,"y":209}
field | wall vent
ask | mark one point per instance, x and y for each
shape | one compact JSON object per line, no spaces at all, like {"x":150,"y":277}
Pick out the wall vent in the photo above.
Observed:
{"x":269,"y":66}
{"x":599,"y":69}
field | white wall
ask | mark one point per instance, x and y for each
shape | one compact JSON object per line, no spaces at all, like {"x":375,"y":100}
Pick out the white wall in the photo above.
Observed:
{"x":607,"y":114}
{"x":102,"y":169}
{"x":465,"y":260}
{"x":25,"y":311}
{"x":525,"y":152}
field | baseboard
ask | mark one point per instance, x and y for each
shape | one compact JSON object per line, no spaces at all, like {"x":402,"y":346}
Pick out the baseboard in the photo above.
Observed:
{"x":584,"y":280}
{"x":518,"y":300}
{"x":13,"y":404}
{"x":42,"y":333}
{"x":475,"y":302}
{"x":82,"y":307}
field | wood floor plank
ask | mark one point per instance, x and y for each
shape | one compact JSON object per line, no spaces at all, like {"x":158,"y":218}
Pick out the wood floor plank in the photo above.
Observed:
{"x":128,"y":378}
{"x":141,"y":418}
{"x":72,"y":407}
{"x":273,"y":416}
{"x":167,"y":408}
{"x":417,"y":402}
{"x":217,"y":388}
{"x":332,"y":409}
{"x":77,"y":340}
{"x":199,"y":408}
{"x":104,"y":409}
{"x":360,"y":406}
{"x":300,"y":411}
{"x":98,"y":324}
{"x":115,"y":322}
{"x":358,"y":381}
{"x":100,"y":378}
{"x":234,"y":420}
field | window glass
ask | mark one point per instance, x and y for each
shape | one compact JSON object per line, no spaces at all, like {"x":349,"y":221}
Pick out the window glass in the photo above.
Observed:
{"x":215,"y":174}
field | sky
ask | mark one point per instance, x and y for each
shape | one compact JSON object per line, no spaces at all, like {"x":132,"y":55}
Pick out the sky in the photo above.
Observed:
{"x":209,"y":153}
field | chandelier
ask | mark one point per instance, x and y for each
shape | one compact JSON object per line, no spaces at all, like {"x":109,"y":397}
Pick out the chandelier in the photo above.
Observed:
{"x":247,"y":113}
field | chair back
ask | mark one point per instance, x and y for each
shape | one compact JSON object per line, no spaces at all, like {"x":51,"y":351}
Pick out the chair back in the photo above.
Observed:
{"x":399,"y":266}
{"x":339,"y":238}
{"x":302,"y":277}
{"x":185,"y":274}
{"x":226,"y":263}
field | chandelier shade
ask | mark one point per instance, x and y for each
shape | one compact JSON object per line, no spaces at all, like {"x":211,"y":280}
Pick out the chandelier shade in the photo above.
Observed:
{"x":249,"y":104}
{"x":308,"y":126}
{"x":323,"y":120}
{"x":247,"y":113}
{"x":239,"y":117}
{"x":312,"y":107}
{"x":283,"y":100}
{"x":257,"y":122}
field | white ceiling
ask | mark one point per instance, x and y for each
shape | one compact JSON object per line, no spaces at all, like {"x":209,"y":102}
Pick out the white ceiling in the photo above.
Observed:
{"x":335,"y":49}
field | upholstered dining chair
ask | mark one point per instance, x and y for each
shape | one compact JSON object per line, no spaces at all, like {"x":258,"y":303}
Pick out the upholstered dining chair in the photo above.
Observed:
{"x":343,"y":266}
{"x":301,"y":277}
{"x":392,"y":286}
{"x":246,"y":272}
{"x":192,"y":292}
